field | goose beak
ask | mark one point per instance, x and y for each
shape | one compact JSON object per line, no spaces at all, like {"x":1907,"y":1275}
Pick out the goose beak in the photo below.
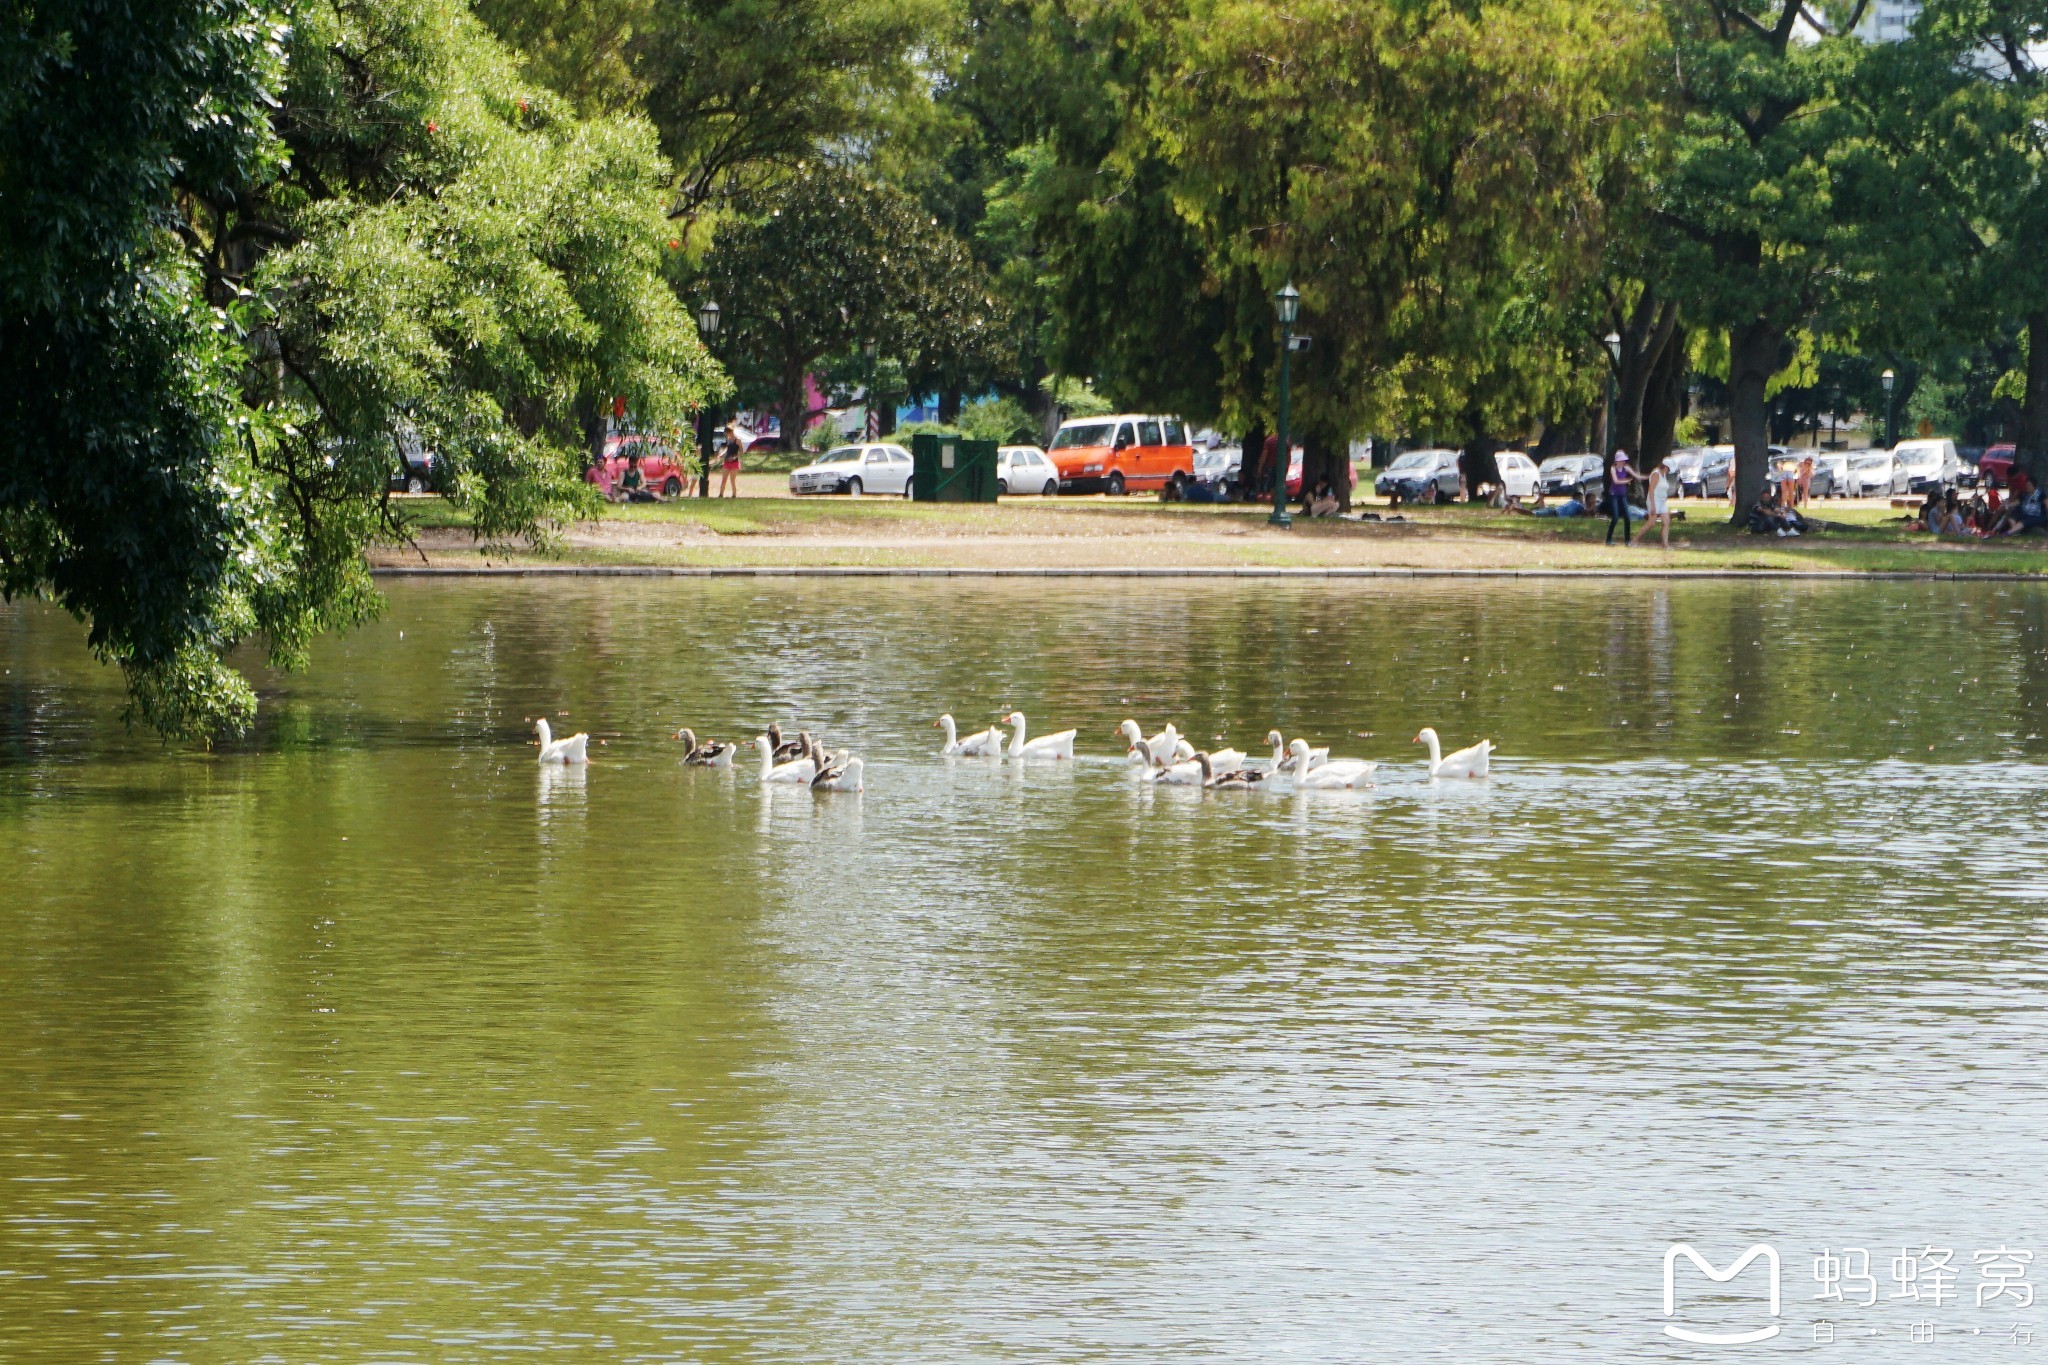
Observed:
{"x":1416,"y":740}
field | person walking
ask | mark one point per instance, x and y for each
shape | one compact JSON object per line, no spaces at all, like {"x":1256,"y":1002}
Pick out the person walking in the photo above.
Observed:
{"x":1660,"y":500}
{"x":729,"y":468}
{"x":1619,"y":477}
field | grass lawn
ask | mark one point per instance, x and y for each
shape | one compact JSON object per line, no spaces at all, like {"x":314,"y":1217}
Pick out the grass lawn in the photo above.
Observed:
{"x":769,"y":527}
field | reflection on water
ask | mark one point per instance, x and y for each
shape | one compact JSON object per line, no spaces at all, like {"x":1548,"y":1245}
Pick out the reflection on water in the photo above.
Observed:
{"x":370,"y":1038}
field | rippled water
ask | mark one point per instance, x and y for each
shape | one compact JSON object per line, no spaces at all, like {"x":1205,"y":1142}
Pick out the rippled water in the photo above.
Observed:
{"x":364,"y":1040}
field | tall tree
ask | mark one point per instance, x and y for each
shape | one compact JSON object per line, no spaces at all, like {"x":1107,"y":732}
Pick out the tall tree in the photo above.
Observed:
{"x":829,"y":262}
{"x":1767,"y":219}
{"x":126,"y":488}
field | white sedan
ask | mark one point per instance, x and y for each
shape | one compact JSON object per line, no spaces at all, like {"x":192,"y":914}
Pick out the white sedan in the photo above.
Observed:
{"x":1517,"y":474}
{"x":1874,"y":474}
{"x":855,"y":469}
{"x":1025,"y":469}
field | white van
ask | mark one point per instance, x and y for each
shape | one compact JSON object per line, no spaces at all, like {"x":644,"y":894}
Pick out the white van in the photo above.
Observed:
{"x":1931,"y":463}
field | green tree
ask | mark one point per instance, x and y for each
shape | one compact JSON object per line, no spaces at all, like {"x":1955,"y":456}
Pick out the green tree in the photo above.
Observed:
{"x":830,"y":262}
{"x":1776,"y":211}
{"x":126,"y":488}
{"x":398,"y":242}
{"x":742,"y":91}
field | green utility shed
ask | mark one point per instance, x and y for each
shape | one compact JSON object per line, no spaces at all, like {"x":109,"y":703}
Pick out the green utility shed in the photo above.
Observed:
{"x":952,"y":469}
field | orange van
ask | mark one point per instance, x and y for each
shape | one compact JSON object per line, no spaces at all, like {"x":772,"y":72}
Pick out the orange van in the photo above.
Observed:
{"x":1117,"y":455}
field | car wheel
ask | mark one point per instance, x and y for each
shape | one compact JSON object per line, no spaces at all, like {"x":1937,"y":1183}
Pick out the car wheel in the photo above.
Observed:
{"x":908,"y":485}
{"x":1052,"y":486}
{"x":672,"y":487}
{"x":415,"y":484}
{"x":1116,"y":485}
{"x":853,"y":486}
{"x":1003,"y":487}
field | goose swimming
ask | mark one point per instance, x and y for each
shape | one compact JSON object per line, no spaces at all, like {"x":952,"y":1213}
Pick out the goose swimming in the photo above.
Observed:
{"x":1060,"y":745}
{"x":574,"y":749}
{"x":1471,"y":762}
{"x":712,"y":753}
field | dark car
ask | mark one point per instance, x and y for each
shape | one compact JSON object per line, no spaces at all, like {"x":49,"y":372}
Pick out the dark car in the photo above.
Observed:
{"x":419,"y":469}
{"x":1572,"y":476}
{"x":1716,"y":473}
{"x":1994,"y":466}
{"x":1420,"y":476}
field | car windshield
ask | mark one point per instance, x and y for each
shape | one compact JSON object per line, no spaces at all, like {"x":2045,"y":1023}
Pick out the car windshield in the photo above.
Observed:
{"x":844,"y":455}
{"x":1090,"y":434}
{"x":1561,"y":464}
{"x":1870,"y":462}
{"x":1415,"y":459}
{"x":1915,"y":454}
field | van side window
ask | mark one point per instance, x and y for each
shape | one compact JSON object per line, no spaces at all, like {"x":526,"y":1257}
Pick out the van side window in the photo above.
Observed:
{"x":1148,"y":433}
{"x":1175,"y":434}
{"x":1123,"y":436}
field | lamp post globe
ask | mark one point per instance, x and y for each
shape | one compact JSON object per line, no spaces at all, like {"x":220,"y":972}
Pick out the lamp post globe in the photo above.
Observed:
{"x":1287,"y":304}
{"x":1891,"y":426}
{"x":709,"y":316}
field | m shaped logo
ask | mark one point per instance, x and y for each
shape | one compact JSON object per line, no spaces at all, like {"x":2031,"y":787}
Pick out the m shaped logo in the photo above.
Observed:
{"x":1735,"y":1267}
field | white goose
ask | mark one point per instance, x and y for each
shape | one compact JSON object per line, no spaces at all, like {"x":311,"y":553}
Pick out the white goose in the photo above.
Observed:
{"x":574,"y":749}
{"x":1060,"y":745}
{"x":841,"y":775}
{"x":796,"y":770}
{"x":1337,"y":773}
{"x":1470,"y":762}
{"x":1283,"y":762}
{"x":1160,"y":748}
{"x":1193,"y":772}
{"x":1226,"y":760}
{"x":987,"y":744}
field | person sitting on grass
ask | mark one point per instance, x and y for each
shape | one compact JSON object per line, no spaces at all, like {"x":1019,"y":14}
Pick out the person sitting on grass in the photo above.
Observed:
{"x":2024,"y":513}
{"x":1570,"y":507}
{"x":632,"y":485}
{"x":1771,"y":517}
{"x":1324,"y":503}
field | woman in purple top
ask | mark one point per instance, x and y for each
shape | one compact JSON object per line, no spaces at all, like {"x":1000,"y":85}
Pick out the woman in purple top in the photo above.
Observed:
{"x":1619,"y":476}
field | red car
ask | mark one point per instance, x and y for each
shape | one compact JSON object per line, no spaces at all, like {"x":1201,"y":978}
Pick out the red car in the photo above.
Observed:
{"x":658,"y":464}
{"x":1994,"y":466}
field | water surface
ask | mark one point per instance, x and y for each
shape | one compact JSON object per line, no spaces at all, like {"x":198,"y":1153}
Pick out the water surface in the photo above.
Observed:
{"x":361,"y":1039}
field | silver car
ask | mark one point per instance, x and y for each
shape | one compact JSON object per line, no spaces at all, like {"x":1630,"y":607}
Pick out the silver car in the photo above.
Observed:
{"x":856,"y":470}
{"x":1875,"y":474}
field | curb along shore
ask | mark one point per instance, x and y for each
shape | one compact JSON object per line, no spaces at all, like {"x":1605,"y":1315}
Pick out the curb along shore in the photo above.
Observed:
{"x":879,"y":571}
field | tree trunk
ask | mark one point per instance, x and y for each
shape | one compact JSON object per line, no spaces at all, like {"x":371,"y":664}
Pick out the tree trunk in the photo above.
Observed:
{"x":1664,"y":401}
{"x":794,"y":405}
{"x":2032,"y":440}
{"x":1752,"y":360}
{"x":1645,"y":336}
{"x":1479,"y":462}
{"x":1250,"y":464}
{"x":949,"y":406}
{"x":1322,"y":460}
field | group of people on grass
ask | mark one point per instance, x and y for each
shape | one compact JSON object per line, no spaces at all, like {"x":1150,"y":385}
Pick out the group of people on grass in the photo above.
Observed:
{"x":1623,"y":479}
{"x":632,"y":485}
{"x":1986,"y":513}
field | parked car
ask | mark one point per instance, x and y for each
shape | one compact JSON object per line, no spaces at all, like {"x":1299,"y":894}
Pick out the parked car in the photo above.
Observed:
{"x":1420,"y":476}
{"x":659,"y":464}
{"x":1025,"y":469}
{"x":1572,"y":476}
{"x":1785,"y":469}
{"x":419,"y":469}
{"x":1220,"y":468}
{"x":1874,"y":474}
{"x":1115,"y":455}
{"x":1994,"y":467}
{"x":1929,"y":463}
{"x":1517,"y":474}
{"x":1717,"y":472}
{"x":1836,"y":463}
{"x":855,"y":469}
{"x":1684,"y":468}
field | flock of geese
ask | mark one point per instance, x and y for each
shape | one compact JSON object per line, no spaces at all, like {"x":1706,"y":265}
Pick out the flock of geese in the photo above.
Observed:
{"x":1166,"y":757}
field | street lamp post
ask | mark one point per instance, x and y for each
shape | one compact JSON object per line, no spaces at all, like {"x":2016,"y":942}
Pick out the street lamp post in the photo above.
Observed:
{"x":872,"y":424}
{"x":1287,"y":303}
{"x":1613,"y":340}
{"x":1891,"y":426}
{"x":708,"y":318}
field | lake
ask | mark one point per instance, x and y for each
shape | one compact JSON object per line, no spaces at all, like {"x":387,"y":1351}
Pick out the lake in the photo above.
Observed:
{"x":362,"y":1038}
